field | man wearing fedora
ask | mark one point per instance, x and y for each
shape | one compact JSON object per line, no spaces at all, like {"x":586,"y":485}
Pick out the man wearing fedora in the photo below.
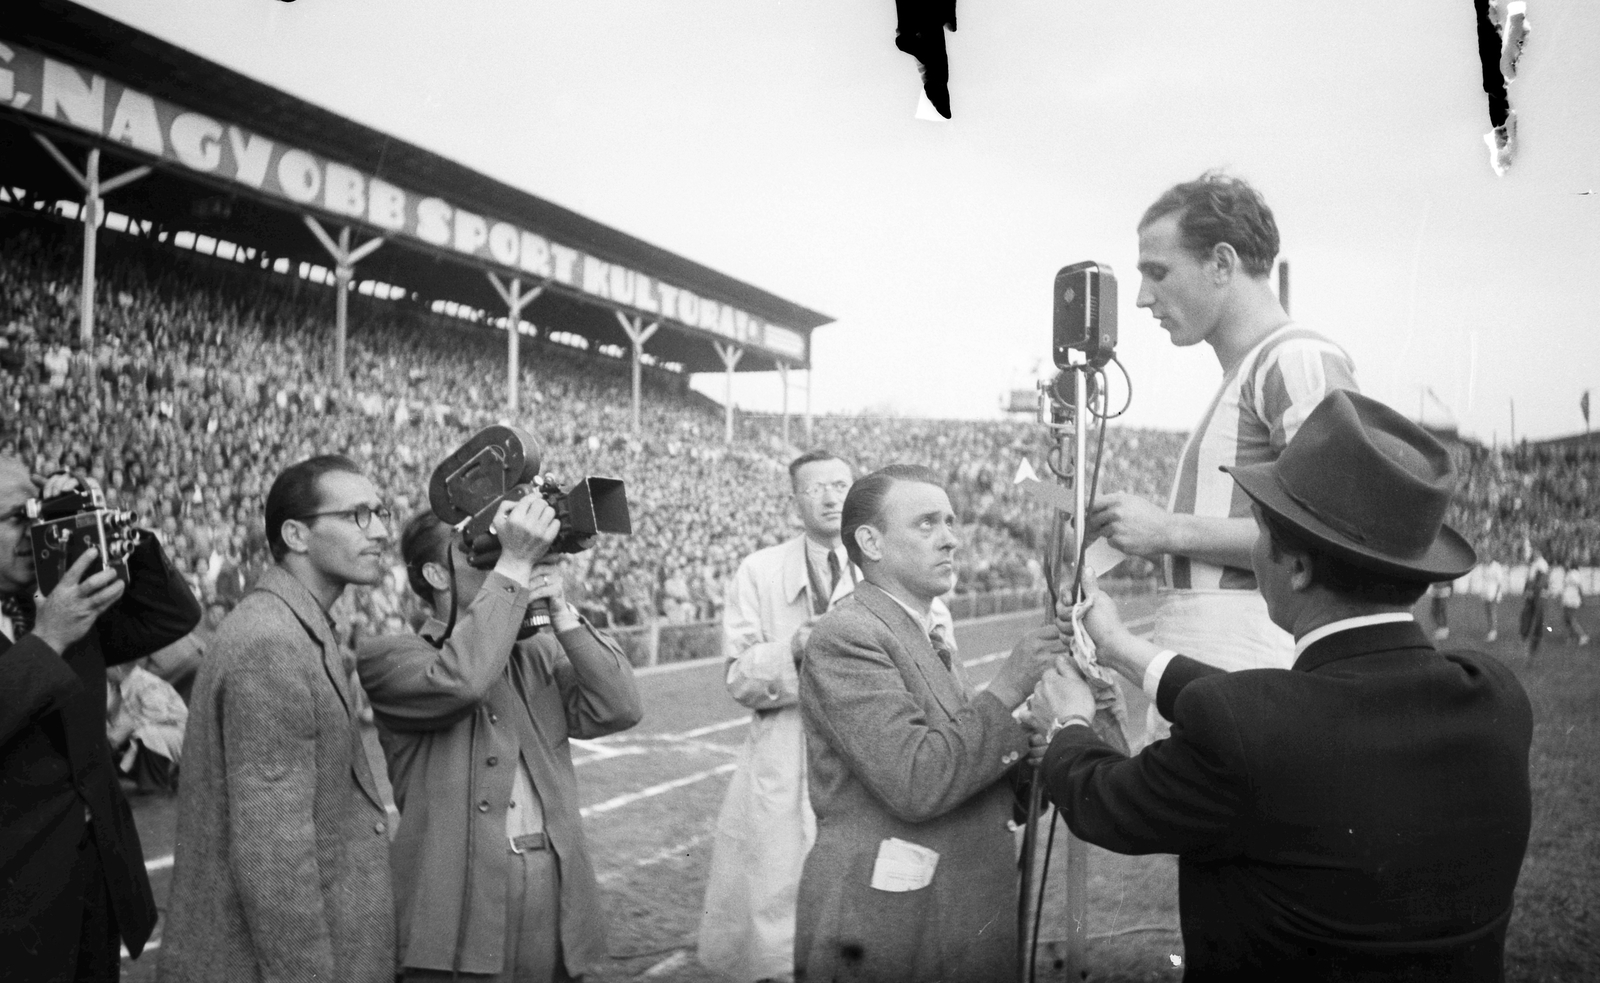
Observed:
{"x":1361,"y":815}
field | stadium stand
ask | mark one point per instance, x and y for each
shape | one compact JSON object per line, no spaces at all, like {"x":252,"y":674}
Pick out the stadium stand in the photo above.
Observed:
{"x":210,"y":378}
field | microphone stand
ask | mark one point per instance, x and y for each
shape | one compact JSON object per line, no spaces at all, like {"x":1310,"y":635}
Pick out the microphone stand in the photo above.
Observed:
{"x":1069,"y":423}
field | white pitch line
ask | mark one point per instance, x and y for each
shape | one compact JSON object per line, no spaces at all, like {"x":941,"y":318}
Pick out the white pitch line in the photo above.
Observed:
{"x":149,"y":947}
{"x":646,"y":793}
{"x":159,"y":863}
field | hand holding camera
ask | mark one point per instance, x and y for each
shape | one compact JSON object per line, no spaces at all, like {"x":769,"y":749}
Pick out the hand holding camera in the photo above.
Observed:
{"x":549,"y":585}
{"x":71,"y":609}
{"x":526,"y":528}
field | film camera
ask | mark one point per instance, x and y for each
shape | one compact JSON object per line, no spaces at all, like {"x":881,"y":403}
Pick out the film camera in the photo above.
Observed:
{"x":65,"y":526}
{"x":500,"y":464}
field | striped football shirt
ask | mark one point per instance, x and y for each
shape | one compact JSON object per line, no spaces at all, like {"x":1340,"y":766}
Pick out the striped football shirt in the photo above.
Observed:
{"x":1256,"y":410}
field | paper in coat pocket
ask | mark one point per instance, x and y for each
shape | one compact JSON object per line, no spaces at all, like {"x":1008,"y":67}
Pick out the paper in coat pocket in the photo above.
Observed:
{"x":903,"y":866}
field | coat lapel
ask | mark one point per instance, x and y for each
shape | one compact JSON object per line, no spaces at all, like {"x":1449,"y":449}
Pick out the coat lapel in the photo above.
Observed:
{"x":941,"y":682}
{"x":335,"y":665}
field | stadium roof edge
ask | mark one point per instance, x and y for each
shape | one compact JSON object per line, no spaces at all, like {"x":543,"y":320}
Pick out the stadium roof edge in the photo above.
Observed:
{"x":100,"y":43}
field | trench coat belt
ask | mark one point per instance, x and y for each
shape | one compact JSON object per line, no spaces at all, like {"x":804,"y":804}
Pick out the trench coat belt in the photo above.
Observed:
{"x":527,"y":842}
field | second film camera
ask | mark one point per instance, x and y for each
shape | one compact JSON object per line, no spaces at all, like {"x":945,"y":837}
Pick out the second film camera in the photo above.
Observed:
{"x":501,"y":464}
{"x":65,"y":526}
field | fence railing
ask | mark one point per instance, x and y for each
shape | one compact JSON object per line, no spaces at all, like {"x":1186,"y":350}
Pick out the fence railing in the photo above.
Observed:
{"x":661,"y":642}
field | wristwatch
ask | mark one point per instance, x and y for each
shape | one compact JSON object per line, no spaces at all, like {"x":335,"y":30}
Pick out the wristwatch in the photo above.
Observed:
{"x":1067,"y":721}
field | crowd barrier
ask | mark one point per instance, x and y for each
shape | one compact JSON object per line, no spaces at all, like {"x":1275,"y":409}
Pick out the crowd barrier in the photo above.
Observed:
{"x":662,"y":642}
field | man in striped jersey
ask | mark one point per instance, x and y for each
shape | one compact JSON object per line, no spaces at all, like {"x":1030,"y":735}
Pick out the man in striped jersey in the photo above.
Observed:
{"x":1206,"y":249}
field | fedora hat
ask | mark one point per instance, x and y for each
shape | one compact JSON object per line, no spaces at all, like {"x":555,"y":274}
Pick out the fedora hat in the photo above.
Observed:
{"x":1362,"y":483}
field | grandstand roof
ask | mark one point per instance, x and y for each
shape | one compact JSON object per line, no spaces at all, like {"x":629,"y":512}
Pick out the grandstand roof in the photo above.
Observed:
{"x":176,"y":197}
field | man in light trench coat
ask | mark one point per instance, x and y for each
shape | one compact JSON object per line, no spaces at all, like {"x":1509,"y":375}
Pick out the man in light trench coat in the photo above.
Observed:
{"x":766,"y":826}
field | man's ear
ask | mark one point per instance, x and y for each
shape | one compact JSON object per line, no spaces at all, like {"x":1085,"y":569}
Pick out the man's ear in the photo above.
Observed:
{"x":296,"y":535}
{"x":1225,"y":263}
{"x":870,"y":542}
{"x":1301,"y":568}
{"x":436,"y":575}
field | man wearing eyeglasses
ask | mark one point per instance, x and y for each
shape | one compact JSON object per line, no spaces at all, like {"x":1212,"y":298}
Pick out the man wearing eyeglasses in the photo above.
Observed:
{"x":282,"y":852}
{"x":766,"y":826}
{"x":73,"y":887}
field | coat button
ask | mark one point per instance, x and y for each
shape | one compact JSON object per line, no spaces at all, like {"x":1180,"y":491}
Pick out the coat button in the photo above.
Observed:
{"x":378,"y":827}
{"x":483,"y":806}
{"x":494,"y":718}
{"x":493,"y":761}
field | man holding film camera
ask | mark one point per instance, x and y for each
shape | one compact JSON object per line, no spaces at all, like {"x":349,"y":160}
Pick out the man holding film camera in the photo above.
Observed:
{"x":492,"y":877}
{"x":1359,"y":816}
{"x":72,"y":875}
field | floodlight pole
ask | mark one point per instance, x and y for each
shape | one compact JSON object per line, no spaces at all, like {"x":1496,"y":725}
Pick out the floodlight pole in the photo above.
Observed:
{"x":515,"y":300}
{"x":730,"y":357}
{"x":344,"y":268}
{"x":94,"y":190}
{"x":638,"y":333}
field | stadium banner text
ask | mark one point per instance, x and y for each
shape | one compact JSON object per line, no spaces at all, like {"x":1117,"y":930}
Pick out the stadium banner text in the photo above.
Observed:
{"x":40,"y":86}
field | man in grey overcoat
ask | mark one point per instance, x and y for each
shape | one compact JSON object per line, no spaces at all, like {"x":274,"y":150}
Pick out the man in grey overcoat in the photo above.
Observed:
{"x":491,"y":870}
{"x":913,"y":875}
{"x":281,"y":868}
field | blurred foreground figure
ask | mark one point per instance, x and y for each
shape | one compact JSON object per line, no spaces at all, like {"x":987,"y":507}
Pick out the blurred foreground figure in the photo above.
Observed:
{"x":281,"y":863}
{"x":491,"y":874}
{"x":73,"y":887}
{"x":1362,"y":815}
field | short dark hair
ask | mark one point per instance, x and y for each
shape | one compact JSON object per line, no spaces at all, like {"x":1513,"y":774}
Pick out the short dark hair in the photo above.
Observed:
{"x":1340,"y":575}
{"x":863,"y":505}
{"x":1217,"y":208}
{"x":297,"y":492}
{"x":811,"y":457}
{"x":425,"y":539}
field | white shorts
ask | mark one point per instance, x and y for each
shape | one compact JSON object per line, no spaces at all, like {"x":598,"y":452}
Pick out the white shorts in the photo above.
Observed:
{"x":1228,"y":629}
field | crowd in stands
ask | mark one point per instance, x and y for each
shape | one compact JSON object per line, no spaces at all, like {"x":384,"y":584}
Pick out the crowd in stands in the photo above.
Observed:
{"x":1530,"y":497}
{"x":208,"y":377}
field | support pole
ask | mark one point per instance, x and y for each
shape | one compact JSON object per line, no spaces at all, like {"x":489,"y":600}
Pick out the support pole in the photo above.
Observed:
{"x":515,"y":300}
{"x":730,"y":357}
{"x":638,"y":333}
{"x":344,"y":268}
{"x":94,"y":191}
{"x":783,"y":373}
{"x":91,"y":221}
{"x":810,"y":441}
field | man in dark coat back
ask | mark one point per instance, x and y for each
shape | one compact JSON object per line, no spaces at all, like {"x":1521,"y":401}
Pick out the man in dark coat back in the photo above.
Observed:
{"x":1362,"y":815}
{"x":73,"y":887}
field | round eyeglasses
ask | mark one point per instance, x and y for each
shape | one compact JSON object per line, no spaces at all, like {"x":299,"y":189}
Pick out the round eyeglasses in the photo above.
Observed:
{"x":362,"y":514}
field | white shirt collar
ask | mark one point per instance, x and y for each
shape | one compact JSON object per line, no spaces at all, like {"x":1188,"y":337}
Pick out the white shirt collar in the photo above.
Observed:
{"x":1345,"y":625}
{"x":925,"y":620}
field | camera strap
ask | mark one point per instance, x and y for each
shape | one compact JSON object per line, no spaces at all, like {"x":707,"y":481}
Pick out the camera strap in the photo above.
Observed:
{"x":450,"y":626}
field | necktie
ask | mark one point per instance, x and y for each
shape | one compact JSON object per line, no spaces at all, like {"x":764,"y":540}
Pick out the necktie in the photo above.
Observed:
{"x":941,"y":648}
{"x":833,"y":573}
{"x":20,"y":610}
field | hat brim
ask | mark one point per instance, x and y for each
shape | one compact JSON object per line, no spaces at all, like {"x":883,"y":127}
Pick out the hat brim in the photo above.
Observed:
{"x":1448,"y":557}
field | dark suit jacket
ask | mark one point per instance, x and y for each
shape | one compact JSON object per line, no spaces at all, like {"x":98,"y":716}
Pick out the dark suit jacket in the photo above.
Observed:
{"x":899,"y":746}
{"x":1360,"y":816}
{"x":54,"y":760}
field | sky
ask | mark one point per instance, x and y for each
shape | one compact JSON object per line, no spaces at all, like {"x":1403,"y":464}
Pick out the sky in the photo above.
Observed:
{"x":777,"y":141}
